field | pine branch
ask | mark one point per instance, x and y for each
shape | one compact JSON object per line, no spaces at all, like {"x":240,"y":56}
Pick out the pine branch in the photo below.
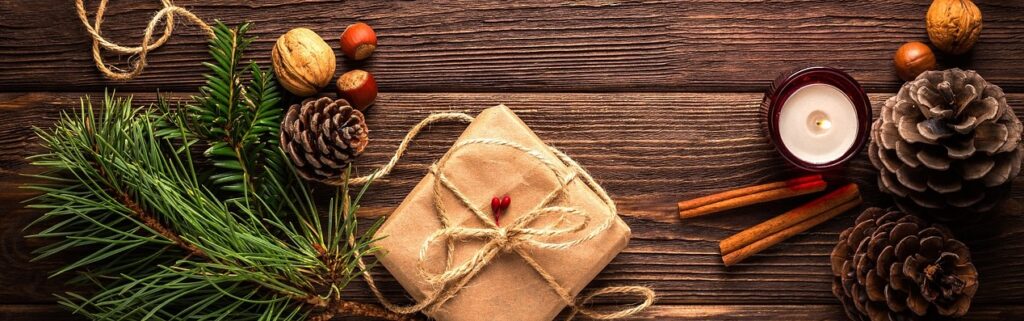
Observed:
{"x":90,"y":207}
{"x":126,"y":199}
{"x":351,"y":308}
{"x":154,"y":224}
{"x":125,"y":193}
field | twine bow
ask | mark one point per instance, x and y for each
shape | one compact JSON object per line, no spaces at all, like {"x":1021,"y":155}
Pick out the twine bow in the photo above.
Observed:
{"x":515,"y":238}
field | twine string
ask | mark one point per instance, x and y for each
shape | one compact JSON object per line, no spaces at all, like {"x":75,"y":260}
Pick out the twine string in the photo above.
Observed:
{"x":515,"y":238}
{"x":402,"y":147}
{"x":147,"y":44}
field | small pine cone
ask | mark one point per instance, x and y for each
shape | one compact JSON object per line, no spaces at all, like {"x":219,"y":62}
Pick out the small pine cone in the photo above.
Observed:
{"x":947,"y":145}
{"x":893,"y":266}
{"x":321,"y":136}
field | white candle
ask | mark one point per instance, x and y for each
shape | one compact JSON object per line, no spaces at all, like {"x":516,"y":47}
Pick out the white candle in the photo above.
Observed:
{"x":818,"y":123}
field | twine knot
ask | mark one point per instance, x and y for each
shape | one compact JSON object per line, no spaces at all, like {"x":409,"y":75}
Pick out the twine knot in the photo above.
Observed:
{"x":502,"y":240}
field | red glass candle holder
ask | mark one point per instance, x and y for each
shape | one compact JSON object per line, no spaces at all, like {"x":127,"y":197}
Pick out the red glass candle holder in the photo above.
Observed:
{"x":787,"y":84}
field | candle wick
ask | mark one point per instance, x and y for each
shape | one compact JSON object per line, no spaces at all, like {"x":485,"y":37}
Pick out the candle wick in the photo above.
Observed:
{"x":824,"y":123}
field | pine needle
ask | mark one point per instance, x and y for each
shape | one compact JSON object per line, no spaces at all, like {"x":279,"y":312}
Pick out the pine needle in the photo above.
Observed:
{"x":125,"y":200}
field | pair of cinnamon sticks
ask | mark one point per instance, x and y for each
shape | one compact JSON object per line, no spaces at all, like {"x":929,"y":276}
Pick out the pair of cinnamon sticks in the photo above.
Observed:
{"x":753,"y":240}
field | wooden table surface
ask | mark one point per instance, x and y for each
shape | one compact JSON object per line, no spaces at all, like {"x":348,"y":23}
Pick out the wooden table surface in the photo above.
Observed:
{"x":658,"y":100}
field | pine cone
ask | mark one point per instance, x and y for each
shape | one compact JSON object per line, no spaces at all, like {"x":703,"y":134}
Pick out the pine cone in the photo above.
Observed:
{"x":321,"y":136}
{"x":893,"y":266}
{"x":947,"y":145}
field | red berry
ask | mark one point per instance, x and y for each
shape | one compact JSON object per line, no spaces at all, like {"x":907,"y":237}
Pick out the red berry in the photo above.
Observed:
{"x":495,"y":205}
{"x":505,"y":202}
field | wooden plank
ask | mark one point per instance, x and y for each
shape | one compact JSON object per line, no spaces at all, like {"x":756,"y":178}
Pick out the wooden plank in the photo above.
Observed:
{"x":660,"y":312}
{"x":647,"y":150}
{"x":26,"y":312}
{"x":544,"y":46}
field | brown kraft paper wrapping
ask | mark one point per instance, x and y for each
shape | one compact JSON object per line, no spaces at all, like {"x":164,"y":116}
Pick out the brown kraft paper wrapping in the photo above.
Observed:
{"x":506,"y":288}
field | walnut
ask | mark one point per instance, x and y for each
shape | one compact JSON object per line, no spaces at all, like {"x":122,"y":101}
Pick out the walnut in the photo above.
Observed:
{"x":953,"y":25}
{"x":303,"y":62}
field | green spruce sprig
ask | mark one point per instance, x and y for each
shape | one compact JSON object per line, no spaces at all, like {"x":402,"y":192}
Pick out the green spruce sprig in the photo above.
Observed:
{"x":237,"y":115}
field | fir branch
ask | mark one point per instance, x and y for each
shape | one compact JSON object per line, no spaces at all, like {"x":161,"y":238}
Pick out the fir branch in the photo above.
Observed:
{"x":260,"y":137}
{"x":219,"y":105}
{"x":238,"y":121}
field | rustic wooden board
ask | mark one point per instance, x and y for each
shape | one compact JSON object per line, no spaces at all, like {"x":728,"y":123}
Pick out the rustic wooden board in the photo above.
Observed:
{"x":662,"y":312}
{"x":647,"y":150}
{"x":546,"y":46}
{"x":663,"y":107}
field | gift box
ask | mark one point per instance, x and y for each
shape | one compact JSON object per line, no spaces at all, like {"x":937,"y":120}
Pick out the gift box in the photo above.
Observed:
{"x":445,"y":246}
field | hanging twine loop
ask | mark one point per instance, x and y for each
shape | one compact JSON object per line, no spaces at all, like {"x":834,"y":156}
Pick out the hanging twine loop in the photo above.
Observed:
{"x":516,"y":238}
{"x":148,"y":43}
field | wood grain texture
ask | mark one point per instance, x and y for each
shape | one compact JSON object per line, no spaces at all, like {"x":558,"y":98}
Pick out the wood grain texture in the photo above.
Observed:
{"x":647,"y":150}
{"x":662,"y":107}
{"x":661,"y":312}
{"x":540,"y":46}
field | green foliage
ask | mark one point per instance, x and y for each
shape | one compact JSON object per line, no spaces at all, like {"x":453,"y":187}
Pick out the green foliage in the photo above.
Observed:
{"x":124,"y":198}
{"x":237,"y":120}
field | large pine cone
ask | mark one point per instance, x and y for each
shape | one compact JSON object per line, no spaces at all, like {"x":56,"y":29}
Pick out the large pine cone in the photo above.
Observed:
{"x":321,"y":136}
{"x":893,"y":266}
{"x":947,"y":145}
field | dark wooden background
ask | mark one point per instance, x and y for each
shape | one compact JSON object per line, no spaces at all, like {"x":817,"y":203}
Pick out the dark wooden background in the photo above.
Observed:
{"x":657,"y":99}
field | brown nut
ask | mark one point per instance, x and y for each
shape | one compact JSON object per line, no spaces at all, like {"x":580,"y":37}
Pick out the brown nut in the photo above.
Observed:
{"x":358,"y":88}
{"x":912,"y":59}
{"x":358,"y":41}
{"x":303,"y":62}
{"x":953,"y":25}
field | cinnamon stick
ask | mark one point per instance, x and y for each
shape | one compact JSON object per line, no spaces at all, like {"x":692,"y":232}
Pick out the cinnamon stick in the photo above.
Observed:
{"x":759,"y":245}
{"x":793,"y":217}
{"x":751,"y":195}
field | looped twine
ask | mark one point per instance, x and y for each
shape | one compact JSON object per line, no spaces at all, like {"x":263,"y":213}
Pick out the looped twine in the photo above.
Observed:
{"x":148,"y":44}
{"x":516,"y":238}
{"x":505,"y":239}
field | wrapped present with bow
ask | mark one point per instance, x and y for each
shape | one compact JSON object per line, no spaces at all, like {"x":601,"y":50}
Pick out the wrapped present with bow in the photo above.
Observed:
{"x":504,"y":227}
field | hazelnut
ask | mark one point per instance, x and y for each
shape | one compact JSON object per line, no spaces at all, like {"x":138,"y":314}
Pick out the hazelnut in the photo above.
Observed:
{"x":358,"y":88}
{"x":912,"y":59}
{"x":303,"y":62}
{"x":953,"y":25}
{"x":358,"y":41}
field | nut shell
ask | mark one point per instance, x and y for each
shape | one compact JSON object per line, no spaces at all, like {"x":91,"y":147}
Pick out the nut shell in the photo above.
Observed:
{"x":303,"y":62}
{"x":912,"y":59}
{"x":358,"y":88}
{"x":358,"y":41}
{"x":953,"y":25}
